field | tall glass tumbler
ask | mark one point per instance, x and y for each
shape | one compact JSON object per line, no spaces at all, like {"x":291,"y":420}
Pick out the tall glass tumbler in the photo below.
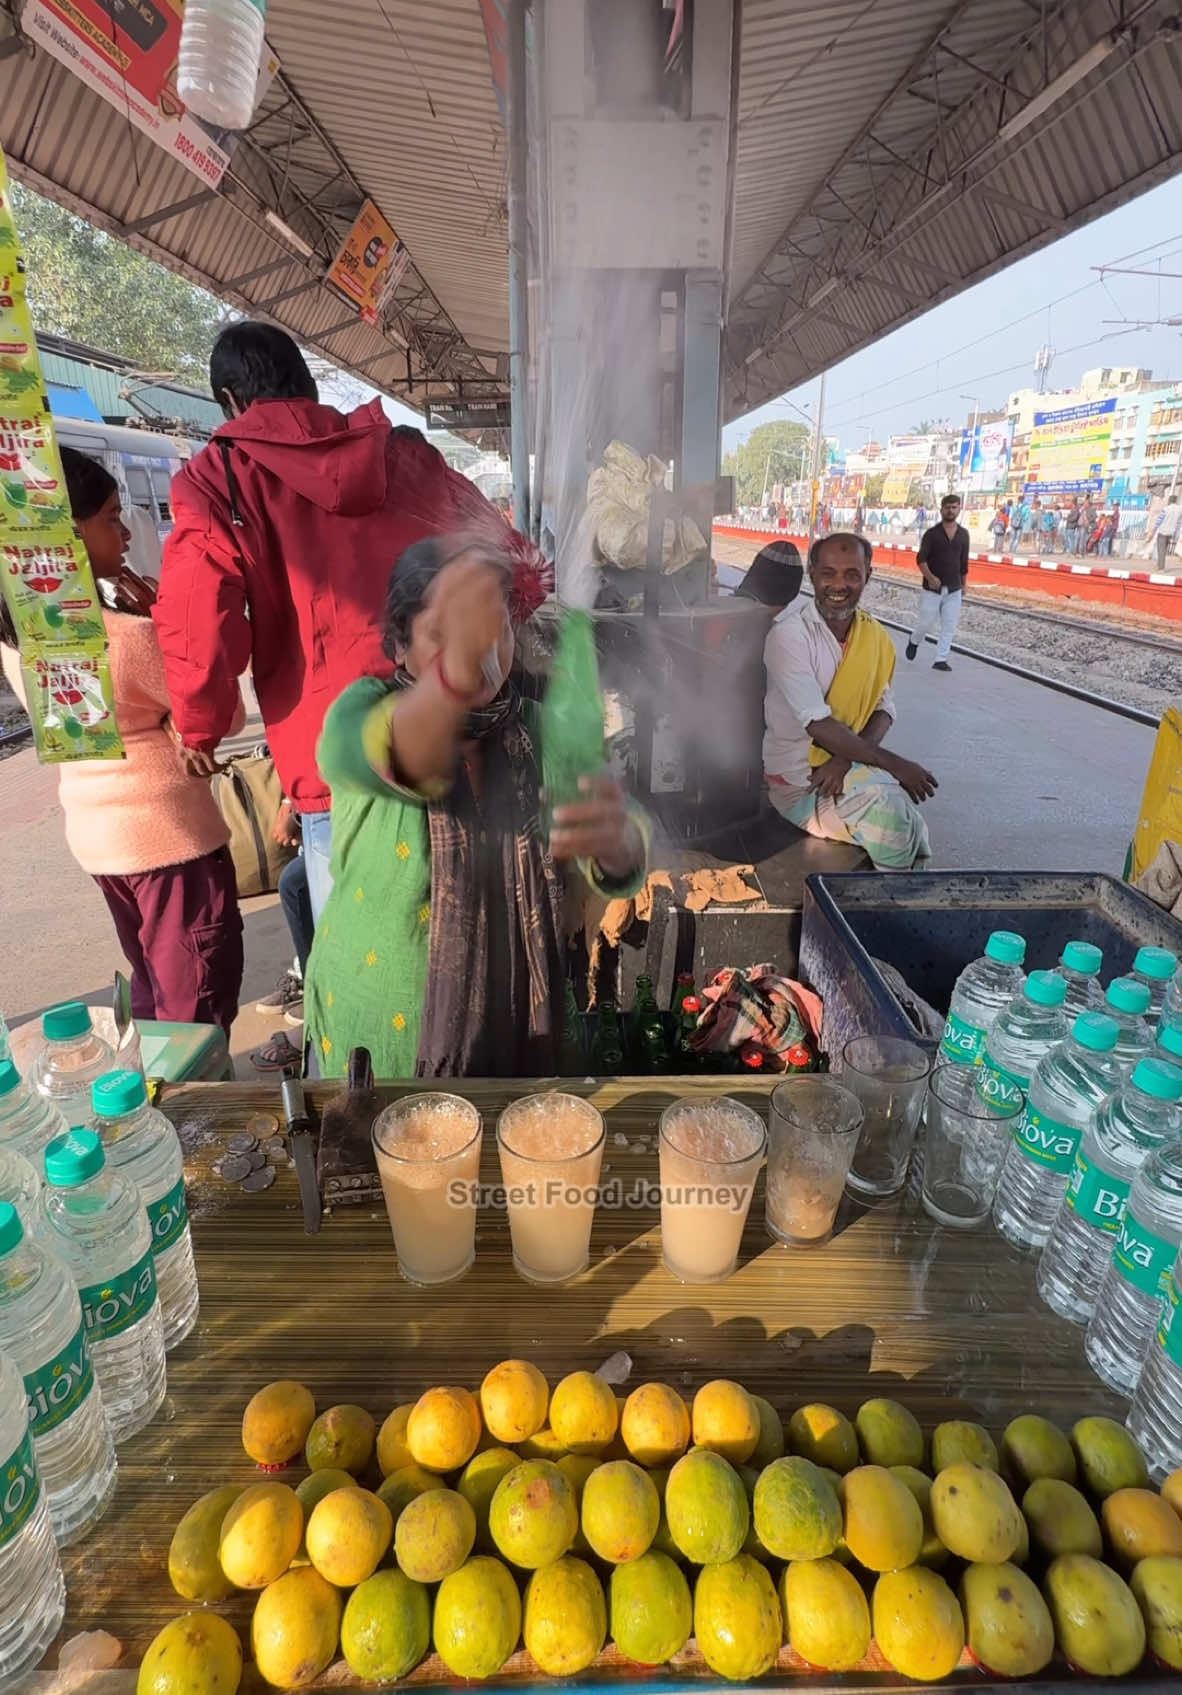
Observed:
{"x":711,"y":1150}
{"x":965,"y":1146}
{"x":812,"y":1133}
{"x":427,"y":1149}
{"x":890,"y":1078}
{"x":551,"y":1148}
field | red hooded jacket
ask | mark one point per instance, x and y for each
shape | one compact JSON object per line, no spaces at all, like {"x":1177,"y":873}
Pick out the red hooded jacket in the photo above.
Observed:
{"x":296,"y":589}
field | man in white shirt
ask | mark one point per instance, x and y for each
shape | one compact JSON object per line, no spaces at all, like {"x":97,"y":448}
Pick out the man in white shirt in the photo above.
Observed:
{"x":1167,"y":529}
{"x":834,"y":779}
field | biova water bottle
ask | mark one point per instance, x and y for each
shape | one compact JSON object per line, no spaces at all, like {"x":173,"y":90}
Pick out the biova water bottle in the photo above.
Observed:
{"x":142,"y":1145}
{"x":1127,"y":1001}
{"x":1079,"y":966}
{"x":1155,"y":1417}
{"x":32,"y":1591}
{"x":41,"y":1327}
{"x":1169,"y":1043}
{"x":20,"y":1186}
{"x":28,"y":1122}
{"x":1022,"y":1034}
{"x":1156,"y":968}
{"x":1136,"y":1281}
{"x":1066,"y":1088}
{"x":980,"y":993}
{"x":72,"y":1057}
{"x":1171,"y":1010}
{"x":97,"y":1224}
{"x":1129,"y":1126}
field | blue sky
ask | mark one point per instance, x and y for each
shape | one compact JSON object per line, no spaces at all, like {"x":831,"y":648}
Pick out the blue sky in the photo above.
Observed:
{"x":894,"y":384}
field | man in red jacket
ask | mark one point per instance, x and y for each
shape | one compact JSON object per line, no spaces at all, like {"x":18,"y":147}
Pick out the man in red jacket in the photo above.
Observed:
{"x":287,"y":527}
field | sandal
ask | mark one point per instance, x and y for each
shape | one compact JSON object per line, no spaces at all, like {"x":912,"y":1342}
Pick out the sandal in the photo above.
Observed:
{"x":277,"y":1055}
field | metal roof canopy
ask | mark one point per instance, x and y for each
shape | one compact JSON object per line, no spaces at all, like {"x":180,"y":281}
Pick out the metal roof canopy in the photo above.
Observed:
{"x":888,"y":154}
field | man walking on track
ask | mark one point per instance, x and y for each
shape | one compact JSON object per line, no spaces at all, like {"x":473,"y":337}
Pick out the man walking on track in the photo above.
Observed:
{"x":943,"y":560}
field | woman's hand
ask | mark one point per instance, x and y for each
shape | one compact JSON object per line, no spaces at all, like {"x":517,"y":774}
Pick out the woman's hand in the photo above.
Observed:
{"x":467,"y":615}
{"x":598,"y":827}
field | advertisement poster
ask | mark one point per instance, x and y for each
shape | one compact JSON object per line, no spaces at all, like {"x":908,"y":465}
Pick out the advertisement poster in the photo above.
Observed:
{"x":985,"y":457}
{"x":1069,"y":449}
{"x":126,"y":50}
{"x":370,"y":263}
{"x":496,"y":31}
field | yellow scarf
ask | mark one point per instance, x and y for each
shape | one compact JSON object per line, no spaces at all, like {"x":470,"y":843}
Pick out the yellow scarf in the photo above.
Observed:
{"x":867,"y":666}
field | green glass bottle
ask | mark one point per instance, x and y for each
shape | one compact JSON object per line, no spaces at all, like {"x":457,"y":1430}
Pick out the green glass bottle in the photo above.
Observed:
{"x":688,"y":1059}
{"x":574,"y":1036}
{"x":572,"y":713}
{"x":684,"y":986}
{"x":650,"y":1049}
{"x":607,"y":1049}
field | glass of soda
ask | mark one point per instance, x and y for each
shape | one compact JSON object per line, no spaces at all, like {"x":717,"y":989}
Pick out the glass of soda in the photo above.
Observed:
{"x":551,"y":1148}
{"x":965,"y":1146}
{"x":427,"y":1149}
{"x":890,"y":1078}
{"x":813,"y":1131}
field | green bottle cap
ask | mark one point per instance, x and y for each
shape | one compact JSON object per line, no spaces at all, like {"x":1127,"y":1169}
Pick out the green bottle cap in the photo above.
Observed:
{"x":9,"y":1077}
{"x":11,"y":1230}
{"x":117,"y":1093}
{"x":1095,"y":1030}
{"x":1006,"y":947}
{"x":1127,"y":995}
{"x":1158,"y":963}
{"x":1084,"y":957}
{"x":1169,"y":1037}
{"x":61,"y":1023}
{"x":73,"y":1158}
{"x":1159,"y":1078}
{"x":1046,"y":988}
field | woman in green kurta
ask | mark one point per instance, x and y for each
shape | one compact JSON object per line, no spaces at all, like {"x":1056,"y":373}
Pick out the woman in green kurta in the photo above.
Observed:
{"x":441,"y":947}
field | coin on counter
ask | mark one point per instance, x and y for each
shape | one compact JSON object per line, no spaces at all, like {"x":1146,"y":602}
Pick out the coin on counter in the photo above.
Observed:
{"x":274,"y":1145}
{"x":235,"y":1167}
{"x":260,"y":1179}
{"x":242,"y":1142}
{"x":262,"y":1124}
{"x":257,"y":1160}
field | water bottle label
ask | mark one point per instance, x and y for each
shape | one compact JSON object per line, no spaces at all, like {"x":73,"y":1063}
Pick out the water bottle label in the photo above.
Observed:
{"x":111,"y":1308}
{"x":1169,"y":1334}
{"x":1143,"y":1258}
{"x":168,"y":1217}
{"x":1096,"y":1196}
{"x":962,"y":1041}
{"x":1046,"y":1141}
{"x":998,"y":1087}
{"x":20,"y":1488}
{"x":58,"y":1388}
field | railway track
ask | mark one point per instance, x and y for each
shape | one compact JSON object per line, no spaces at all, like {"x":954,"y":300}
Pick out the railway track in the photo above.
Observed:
{"x":1087,"y":626}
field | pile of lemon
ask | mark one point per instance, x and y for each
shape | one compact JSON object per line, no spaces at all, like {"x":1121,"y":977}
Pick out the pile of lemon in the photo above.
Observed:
{"x":563,"y":1519}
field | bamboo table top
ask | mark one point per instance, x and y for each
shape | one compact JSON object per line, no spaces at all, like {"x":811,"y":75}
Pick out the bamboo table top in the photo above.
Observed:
{"x":948,"y":1322}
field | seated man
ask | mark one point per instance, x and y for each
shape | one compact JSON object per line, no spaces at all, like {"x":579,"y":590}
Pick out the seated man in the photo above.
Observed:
{"x":828,"y":709}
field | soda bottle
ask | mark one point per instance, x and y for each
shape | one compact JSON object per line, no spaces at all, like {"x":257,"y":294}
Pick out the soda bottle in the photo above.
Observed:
{"x":1023,"y":1032}
{"x":72,"y":1058}
{"x":1135,"y":1283}
{"x":682,"y":989}
{"x":20,"y":1186}
{"x":32,"y":1590}
{"x":28,"y":1122}
{"x":650,"y":1049}
{"x":98,"y":1226}
{"x":574,"y":1036}
{"x":41,"y":1327}
{"x":981,"y":991}
{"x":1079,"y":966}
{"x":1169,"y":1043}
{"x":1155,"y":1417}
{"x":1067,"y":1086}
{"x":607,"y":1048}
{"x":142,"y":1146}
{"x":1156,"y":968}
{"x":572,"y":712}
{"x":1127,"y":1001}
{"x":688,"y":1057}
{"x":1143,"y":1116}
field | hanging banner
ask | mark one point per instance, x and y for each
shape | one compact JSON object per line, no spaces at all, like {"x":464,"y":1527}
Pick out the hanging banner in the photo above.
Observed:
{"x":1069,"y":449}
{"x":46,"y":582}
{"x":496,"y":33}
{"x":370,"y":263}
{"x":126,"y":51}
{"x":985,"y":457}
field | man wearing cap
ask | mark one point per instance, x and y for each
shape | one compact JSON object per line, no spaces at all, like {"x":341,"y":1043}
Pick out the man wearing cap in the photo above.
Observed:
{"x":774,"y":577}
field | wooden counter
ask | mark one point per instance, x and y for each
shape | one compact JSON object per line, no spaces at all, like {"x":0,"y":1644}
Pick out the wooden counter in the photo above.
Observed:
{"x":949,"y":1322}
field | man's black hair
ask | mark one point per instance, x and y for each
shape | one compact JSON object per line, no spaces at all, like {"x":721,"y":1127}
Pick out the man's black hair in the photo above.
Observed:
{"x":858,"y":541}
{"x":775,"y":575}
{"x":254,"y":361}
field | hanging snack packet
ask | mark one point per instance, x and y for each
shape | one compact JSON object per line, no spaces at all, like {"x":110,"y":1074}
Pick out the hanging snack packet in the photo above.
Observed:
{"x":68,"y":692}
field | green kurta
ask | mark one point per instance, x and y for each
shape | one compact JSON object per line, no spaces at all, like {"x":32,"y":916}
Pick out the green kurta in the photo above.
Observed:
{"x":367,"y":975}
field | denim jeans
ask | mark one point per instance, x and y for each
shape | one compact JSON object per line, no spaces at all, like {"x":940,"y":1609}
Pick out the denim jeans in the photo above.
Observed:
{"x":297,"y":908}
{"x":316,"y":828}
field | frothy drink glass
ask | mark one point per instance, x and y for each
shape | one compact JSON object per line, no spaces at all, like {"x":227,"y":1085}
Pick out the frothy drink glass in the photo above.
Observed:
{"x":711,"y":1152}
{"x":551,"y":1149}
{"x":427,"y":1149}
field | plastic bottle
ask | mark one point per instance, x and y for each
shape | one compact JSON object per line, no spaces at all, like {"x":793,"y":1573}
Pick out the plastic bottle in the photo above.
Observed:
{"x":20,"y":1186}
{"x":1169,"y":1043}
{"x":1156,"y":968}
{"x":1136,"y":1281}
{"x":32,"y":1590}
{"x":1022,"y":1034}
{"x":41,"y":1327}
{"x":218,"y":59}
{"x":1079,"y":967}
{"x":5,"y":1048}
{"x":1129,"y":1126}
{"x":1068,"y":1085}
{"x":982,"y":990}
{"x":28,"y":1122}
{"x":1155,"y":1417}
{"x":97,"y":1224}
{"x":1171,"y":1010}
{"x":1127,"y":1001}
{"x":141,"y":1145}
{"x":73,"y":1056}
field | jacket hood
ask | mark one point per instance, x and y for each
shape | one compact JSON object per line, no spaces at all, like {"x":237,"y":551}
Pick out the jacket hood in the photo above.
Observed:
{"x":334,"y":460}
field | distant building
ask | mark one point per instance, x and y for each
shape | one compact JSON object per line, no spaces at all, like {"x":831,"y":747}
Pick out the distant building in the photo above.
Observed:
{"x":85,"y":382}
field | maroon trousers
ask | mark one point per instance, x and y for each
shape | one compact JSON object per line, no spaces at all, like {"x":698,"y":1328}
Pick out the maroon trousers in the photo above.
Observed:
{"x":182,"y":933}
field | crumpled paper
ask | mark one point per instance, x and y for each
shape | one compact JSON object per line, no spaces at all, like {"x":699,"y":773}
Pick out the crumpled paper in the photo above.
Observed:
{"x":619,"y":497}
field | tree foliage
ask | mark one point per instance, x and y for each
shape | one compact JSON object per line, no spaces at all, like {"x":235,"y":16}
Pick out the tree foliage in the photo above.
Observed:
{"x":91,"y":287}
{"x":773,"y":452}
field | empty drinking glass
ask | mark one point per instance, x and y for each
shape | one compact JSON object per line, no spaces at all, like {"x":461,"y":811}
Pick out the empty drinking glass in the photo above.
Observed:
{"x":551,"y":1149}
{"x":427,"y":1149}
{"x":890,"y":1078}
{"x":965,"y":1145}
{"x":813,"y":1131}
{"x":711,"y":1151}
